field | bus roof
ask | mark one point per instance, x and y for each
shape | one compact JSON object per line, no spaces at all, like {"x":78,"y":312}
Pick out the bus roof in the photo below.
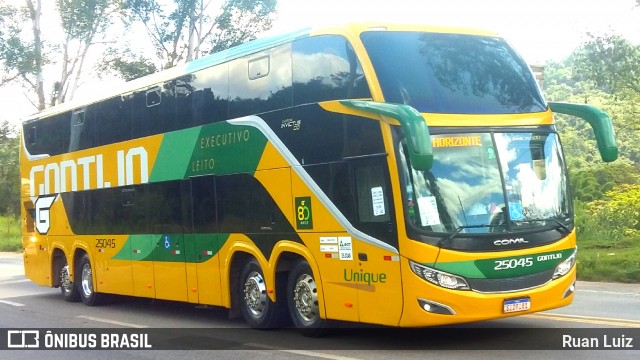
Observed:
{"x":239,"y":51}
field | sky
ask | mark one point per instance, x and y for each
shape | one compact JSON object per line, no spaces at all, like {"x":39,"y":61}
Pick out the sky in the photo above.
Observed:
{"x":540,"y":30}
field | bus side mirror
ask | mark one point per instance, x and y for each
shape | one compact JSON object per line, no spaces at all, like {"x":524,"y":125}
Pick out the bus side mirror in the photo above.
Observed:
{"x":599,"y":121}
{"x":413,"y":124}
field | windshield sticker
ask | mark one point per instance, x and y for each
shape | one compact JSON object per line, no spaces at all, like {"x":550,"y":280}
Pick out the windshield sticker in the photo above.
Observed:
{"x":451,"y":141}
{"x":515,"y":211}
{"x":428,"y":211}
{"x":346,"y":252}
{"x":377,"y":200}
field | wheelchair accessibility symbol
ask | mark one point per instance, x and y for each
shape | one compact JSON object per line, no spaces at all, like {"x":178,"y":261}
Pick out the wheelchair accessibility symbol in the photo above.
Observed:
{"x":515,"y":211}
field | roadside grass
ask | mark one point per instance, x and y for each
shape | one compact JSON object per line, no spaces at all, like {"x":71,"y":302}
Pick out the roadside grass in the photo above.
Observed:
{"x":614,"y":261}
{"x":10,"y":238}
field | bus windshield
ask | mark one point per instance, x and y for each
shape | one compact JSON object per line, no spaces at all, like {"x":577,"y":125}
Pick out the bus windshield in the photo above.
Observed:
{"x":452,"y":73}
{"x":488,"y":182}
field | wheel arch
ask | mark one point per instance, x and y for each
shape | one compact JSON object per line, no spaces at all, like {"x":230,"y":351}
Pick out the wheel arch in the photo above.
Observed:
{"x":58,"y":260}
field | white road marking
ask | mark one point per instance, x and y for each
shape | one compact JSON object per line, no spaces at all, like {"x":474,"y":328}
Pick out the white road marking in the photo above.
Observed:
{"x":11,"y":303}
{"x":14,"y":281}
{"x":303,"y":352}
{"x":610,"y":292}
{"x":113,"y":322}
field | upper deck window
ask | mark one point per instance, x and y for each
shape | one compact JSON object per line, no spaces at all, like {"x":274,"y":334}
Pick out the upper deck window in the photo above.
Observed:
{"x":452,"y":73}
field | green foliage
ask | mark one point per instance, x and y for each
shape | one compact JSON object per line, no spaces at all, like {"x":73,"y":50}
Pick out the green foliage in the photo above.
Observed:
{"x":10,"y":238}
{"x":126,"y":65}
{"x":592,"y":184}
{"x":17,"y":54}
{"x":240,"y":21}
{"x":619,"y":211}
{"x":605,"y":71}
{"x":81,"y":19}
{"x":610,"y":62}
{"x":9,"y":171}
{"x":183,"y":30}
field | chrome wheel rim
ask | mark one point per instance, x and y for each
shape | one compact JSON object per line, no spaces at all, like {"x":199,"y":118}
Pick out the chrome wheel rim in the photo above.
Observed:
{"x":305,"y":297}
{"x":255,"y":294}
{"x":65,"y":279}
{"x":87,"y":282}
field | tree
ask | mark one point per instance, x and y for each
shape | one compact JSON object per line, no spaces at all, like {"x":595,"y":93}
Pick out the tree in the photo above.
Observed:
{"x":24,"y":54}
{"x":610,"y":62}
{"x":22,"y":59}
{"x":82,"y":21}
{"x":187,"y":29}
{"x":9,"y":170}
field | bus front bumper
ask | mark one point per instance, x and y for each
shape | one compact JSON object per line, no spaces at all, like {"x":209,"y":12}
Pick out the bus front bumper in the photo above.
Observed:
{"x":427,"y":304}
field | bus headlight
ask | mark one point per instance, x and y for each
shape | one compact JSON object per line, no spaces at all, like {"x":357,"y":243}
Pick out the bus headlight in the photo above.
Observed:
{"x":563,"y":268}
{"x":440,"y":278}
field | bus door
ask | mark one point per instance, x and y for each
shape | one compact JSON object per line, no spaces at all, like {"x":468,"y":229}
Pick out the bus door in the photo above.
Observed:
{"x":376,"y":270}
{"x":167,"y":219}
{"x":203,"y":242}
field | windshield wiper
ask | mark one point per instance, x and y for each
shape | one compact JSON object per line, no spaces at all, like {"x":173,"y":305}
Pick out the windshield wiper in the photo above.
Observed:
{"x":463,"y":227}
{"x":559,"y":226}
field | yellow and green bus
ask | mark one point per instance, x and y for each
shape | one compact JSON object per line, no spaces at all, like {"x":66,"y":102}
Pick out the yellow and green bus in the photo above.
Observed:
{"x":385,"y":174}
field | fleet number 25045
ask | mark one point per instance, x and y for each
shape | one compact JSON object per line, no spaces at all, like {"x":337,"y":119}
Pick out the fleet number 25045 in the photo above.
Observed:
{"x":513,"y":263}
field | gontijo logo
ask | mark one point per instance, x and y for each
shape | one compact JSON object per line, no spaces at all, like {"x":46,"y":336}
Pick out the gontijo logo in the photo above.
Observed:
{"x":55,"y":176}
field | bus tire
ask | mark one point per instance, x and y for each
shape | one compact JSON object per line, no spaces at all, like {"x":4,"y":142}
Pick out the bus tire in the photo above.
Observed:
{"x":67,"y":286}
{"x":87,"y":293}
{"x":302,"y":295}
{"x":257,"y":308}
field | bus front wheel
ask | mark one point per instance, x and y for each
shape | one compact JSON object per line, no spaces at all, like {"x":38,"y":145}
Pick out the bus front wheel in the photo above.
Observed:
{"x":84,"y":272}
{"x":302,"y":295}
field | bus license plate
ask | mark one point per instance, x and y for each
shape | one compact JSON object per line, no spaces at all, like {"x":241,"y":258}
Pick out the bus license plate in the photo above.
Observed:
{"x":515,"y":305}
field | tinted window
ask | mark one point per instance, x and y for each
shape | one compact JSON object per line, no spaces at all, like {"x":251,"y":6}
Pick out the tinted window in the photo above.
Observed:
{"x":361,"y":190}
{"x":109,"y":211}
{"x":250,"y":93}
{"x":452,"y":73}
{"x":166,"y":213}
{"x":326,"y":68}
{"x":154,"y":110}
{"x":113,"y":120}
{"x":50,"y":135}
{"x":81,"y":133}
{"x":203,"y":96}
{"x":315,"y":136}
{"x":245,"y":206}
{"x":203,"y":192}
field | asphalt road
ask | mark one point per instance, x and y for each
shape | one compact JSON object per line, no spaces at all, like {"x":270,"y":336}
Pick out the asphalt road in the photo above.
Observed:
{"x":599,"y":309}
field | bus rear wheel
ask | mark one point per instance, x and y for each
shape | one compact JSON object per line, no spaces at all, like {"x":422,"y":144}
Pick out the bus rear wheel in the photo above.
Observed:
{"x":302,"y":295}
{"x":257,"y":308}
{"x":67,"y":286}
{"x":88,"y":295}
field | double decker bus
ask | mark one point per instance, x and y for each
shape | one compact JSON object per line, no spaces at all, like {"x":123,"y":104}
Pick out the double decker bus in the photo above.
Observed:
{"x":385,"y":174}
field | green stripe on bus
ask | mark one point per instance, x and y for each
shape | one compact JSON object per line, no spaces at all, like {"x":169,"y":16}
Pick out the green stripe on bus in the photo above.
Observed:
{"x":219,"y":148}
{"x":223,"y":148}
{"x":189,"y":248}
{"x":174,"y":155}
{"x":498,"y":268}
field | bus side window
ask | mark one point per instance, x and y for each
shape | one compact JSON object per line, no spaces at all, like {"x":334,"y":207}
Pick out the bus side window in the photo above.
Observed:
{"x":326,"y":68}
{"x":260,"y":82}
{"x":31,"y":135}
{"x":154,"y":110}
{"x":372,"y":197}
{"x":259,"y":68}
{"x":113,"y":120}
{"x":78,"y":130}
{"x":208,"y":96}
